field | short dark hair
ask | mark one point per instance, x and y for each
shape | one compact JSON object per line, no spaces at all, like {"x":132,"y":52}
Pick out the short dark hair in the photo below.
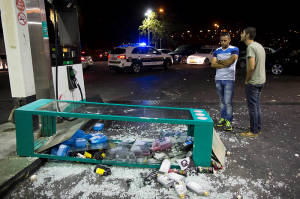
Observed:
{"x":251,"y":31}
{"x":223,"y":34}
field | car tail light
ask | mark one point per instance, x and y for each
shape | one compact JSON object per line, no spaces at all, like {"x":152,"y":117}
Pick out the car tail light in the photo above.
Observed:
{"x":122,"y":56}
{"x":82,"y":59}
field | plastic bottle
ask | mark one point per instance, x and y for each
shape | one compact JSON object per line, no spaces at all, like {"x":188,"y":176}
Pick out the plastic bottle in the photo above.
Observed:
{"x":196,"y":188}
{"x":165,"y":166}
{"x":164,"y":180}
{"x":176,"y":177}
{"x":181,"y":172}
{"x":102,"y":170}
{"x":180,"y":188}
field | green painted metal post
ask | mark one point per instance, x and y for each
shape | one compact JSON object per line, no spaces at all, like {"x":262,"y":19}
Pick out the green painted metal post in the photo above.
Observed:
{"x":202,"y":149}
{"x":24,"y":133}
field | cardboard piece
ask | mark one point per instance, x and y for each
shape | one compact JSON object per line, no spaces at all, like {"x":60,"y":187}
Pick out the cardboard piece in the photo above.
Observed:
{"x":218,"y":148}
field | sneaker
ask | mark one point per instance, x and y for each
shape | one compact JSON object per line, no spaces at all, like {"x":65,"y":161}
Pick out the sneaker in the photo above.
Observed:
{"x":249,"y":134}
{"x":221,"y":122}
{"x":228,"y":126}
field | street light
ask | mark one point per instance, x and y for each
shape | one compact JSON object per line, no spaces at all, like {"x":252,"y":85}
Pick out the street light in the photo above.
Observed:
{"x":148,"y":14}
{"x":216,"y":25}
{"x":161,"y":10}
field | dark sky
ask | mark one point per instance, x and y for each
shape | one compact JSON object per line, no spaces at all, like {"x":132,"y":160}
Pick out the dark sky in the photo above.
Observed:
{"x":109,"y":23}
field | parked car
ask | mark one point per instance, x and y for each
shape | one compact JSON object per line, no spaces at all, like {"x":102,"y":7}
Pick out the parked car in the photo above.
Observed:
{"x":166,"y":51}
{"x":135,"y":58}
{"x":100,"y":55}
{"x":181,"y":53}
{"x":202,"y":56}
{"x":283,"y":60}
{"x":269,"y":50}
{"x":86,"y":61}
{"x":242,"y":56}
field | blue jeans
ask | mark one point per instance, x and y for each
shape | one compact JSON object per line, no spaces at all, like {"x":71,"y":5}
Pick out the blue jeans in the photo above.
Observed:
{"x":253,"y":100}
{"x":225,"y":89}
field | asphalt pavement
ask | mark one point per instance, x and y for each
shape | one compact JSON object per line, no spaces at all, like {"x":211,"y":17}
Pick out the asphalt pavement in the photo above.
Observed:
{"x":263,"y":167}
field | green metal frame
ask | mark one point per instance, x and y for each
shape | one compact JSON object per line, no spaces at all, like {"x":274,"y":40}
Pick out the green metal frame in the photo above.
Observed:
{"x":201,"y":130}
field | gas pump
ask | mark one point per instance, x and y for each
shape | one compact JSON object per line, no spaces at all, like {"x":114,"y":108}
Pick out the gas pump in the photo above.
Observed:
{"x":65,"y":52}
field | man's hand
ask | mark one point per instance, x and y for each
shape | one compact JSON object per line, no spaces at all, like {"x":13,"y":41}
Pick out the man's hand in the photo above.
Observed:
{"x":223,"y":63}
{"x":228,"y":62}
{"x":215,"y":63}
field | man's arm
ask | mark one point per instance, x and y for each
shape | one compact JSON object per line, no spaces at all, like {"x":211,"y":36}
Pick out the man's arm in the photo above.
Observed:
{"x":215,"y":64}
{"x":250,"y":70}
{"x":229,"y":61}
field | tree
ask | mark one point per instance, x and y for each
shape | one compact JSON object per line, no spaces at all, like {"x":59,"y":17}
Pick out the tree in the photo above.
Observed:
{"x":153,"y":25}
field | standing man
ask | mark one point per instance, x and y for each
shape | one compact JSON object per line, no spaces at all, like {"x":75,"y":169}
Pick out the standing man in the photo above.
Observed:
{"x":255,"y":79}
{"x":224,"y":60}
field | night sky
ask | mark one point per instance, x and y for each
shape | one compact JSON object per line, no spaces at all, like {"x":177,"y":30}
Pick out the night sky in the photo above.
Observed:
{"x":105,"y":24}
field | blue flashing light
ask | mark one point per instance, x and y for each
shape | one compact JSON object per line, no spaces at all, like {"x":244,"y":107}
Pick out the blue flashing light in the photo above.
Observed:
{"x":133,"y":45}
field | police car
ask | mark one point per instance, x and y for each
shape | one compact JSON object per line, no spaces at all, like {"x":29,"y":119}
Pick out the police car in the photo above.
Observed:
{"x":134,"y":58}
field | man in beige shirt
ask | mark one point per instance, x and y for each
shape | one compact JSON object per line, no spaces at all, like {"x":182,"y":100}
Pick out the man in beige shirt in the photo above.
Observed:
{"x":255,"y":79}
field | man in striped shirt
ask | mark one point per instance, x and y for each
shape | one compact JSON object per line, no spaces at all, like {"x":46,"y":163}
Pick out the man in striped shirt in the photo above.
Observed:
{"x":224,"y":60}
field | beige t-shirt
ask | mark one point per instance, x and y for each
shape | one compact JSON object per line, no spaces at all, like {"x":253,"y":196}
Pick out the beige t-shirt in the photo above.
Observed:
{"x":257,"y":51}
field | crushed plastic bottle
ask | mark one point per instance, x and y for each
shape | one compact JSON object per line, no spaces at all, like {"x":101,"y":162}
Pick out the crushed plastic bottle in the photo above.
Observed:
{"x":176,"y":177}
{"x":196,"y":188}
{"x":164,"y":180}
{"x":165,"y":166}
{"x":180,"y":188}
